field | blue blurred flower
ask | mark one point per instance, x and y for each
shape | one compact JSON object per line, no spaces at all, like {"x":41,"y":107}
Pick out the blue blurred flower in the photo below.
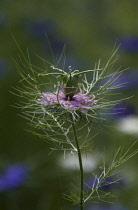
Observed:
{"x":2,"y":68}
{"x":40,"y":28}
{"x":122,"y":110}
{"x":2,"y":19}
{"x":125,"y":81}
{"x":129,"y":43}
{"x":13,"y":176}
{"x":129,"y":81}
{"x":130,"y":78}
{"x":106,"y":207}
{"x":108,"y":183}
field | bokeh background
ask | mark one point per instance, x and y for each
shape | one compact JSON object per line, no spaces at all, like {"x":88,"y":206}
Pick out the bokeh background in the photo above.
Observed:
{"x":30,"y":178}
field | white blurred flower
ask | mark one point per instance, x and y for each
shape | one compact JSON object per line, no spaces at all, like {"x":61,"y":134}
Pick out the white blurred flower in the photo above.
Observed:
{"x":70,"y":162}
{"x":128,"y":125}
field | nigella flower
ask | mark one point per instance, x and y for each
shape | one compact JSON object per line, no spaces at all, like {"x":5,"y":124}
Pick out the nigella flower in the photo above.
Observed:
{"x":56,"y":116}
{"x":2,"y":68}
{"x":128,"y":80}
{"x":129,"y":43}
{"x":107,"y":207}
{"x":77,"y":94}
{"x":39,"y":27}
{"x":107,"y":184}
{"x":122,"y":110}
{"x":70,"y":162}
{"x":13,"y":176}
{"x":2,"y":19}
{"x":78,"y":101}
{"x":128,"y":125}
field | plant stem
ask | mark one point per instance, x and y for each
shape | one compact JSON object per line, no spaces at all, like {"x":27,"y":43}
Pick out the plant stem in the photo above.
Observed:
{"x":81,"y":166}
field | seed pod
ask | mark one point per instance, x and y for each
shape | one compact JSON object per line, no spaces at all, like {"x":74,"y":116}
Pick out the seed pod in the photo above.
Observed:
{"x":70,"y":81}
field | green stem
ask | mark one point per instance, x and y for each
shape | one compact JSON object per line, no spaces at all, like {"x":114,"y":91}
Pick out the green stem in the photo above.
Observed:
{"x":80,"y":164}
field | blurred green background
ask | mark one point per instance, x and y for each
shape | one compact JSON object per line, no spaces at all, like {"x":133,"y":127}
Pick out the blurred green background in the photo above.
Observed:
{"x":90,"y":29}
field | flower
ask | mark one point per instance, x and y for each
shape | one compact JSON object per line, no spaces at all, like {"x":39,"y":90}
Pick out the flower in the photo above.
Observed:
{"x":105,"y":206}
{"x":128,"y":125}
{"x":122,"y":110}
{"x":2,"y":68}
{"x":70,"y":162}
{"x":107,"y":184}
{"x":125,"y":81}
{"x":37,"y":29}
{"x":13,"y":176}
{"x":129,"y":43}
{"x":79,"y":101}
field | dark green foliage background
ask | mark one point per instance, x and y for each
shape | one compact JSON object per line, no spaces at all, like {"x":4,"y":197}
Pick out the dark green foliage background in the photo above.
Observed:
{"x":90,"y":28}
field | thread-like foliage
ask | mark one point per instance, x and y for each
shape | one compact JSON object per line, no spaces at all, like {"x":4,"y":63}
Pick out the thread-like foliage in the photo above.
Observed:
{"x":54,"y":101}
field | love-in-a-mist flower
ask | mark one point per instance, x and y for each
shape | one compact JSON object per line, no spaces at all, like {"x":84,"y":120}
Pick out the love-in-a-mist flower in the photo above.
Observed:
{"x":107,"y":184}
{"x":55,"y":114}
{"x":13,"y":176}
{"x":107,"y":206}
{"x":79,"y":101}
{"x":69,"y":94}
{"x":53,"y":99}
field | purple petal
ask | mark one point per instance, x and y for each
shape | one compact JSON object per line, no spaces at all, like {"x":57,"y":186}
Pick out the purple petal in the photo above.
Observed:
{"x":78,"y":101}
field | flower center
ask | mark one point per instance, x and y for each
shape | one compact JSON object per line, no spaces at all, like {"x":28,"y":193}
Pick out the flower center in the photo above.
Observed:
{"x":69,"y":98}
